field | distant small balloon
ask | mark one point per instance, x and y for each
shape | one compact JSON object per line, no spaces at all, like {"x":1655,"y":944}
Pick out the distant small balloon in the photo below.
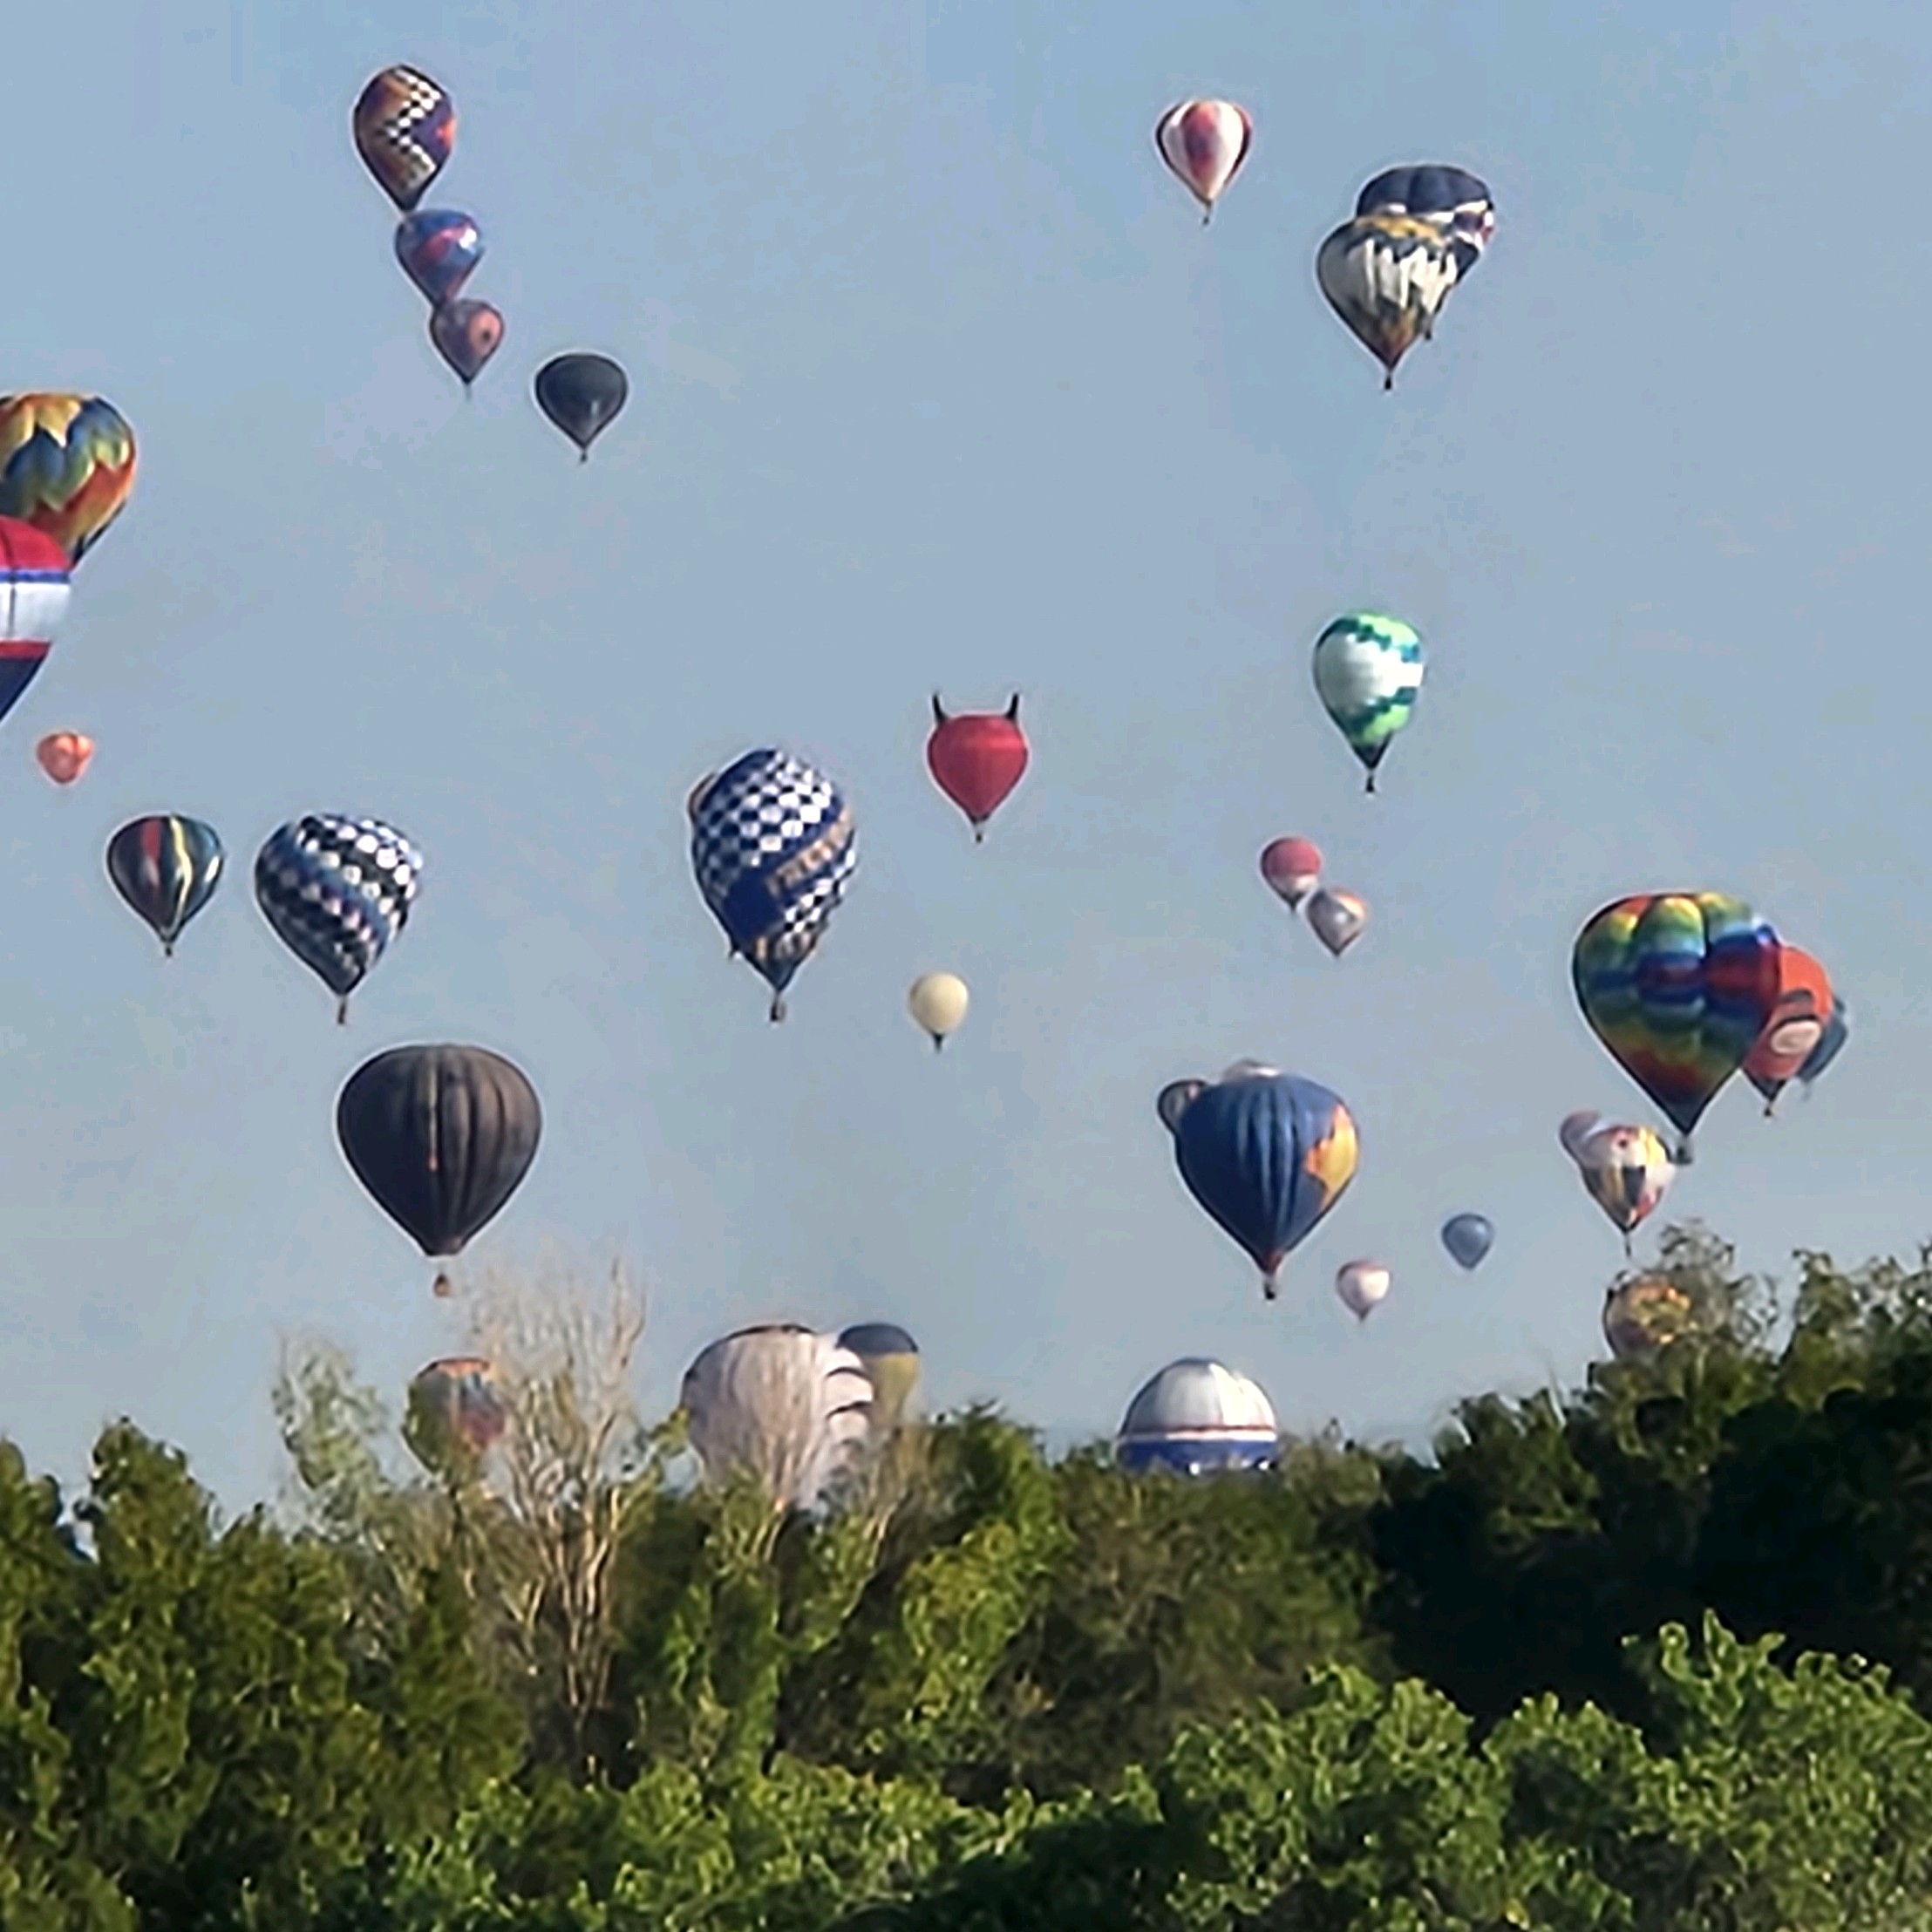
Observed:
{"x":1363,"y":1286}
{"x":1468,"y":1238}
{"x":466,"y":334}
{"x":438,"y":249}
{"x":1338,"y":919}
{"x":1204,"y":142}
{"x":938,"y":1003}
{"x":1292,"y":868}
{"x":581,"y":394}
{"x":166,"y":866}
{"x":65,"y":755}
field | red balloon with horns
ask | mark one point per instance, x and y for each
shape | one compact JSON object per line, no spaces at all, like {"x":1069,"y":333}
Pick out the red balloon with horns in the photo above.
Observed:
{"x":977,"y":757}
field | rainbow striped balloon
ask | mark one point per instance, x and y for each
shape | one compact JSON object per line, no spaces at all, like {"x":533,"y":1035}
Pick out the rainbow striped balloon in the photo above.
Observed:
{"x":66,"y":466}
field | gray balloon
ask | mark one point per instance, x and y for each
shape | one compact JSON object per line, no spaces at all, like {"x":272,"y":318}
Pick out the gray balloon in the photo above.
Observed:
{"x":1468,"y":1238}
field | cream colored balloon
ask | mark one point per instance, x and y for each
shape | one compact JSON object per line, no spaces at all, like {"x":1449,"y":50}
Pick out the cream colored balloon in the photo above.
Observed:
{"x":938,"y":1002}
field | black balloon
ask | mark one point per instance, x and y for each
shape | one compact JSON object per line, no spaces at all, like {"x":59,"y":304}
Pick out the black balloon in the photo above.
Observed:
{"x":581,"y":395}
{"x":442,"y":1136}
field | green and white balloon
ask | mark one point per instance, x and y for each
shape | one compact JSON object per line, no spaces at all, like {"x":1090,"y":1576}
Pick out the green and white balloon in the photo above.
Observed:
{"x":1368,"y":669}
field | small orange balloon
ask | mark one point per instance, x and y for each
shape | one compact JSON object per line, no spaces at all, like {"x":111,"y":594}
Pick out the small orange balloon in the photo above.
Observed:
{"x":65,"y":755}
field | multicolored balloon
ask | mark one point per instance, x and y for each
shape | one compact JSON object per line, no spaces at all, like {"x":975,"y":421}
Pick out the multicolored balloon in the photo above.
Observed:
{"x":466,"y":334}
{"x":1292,"y":868}
{"x":65,"y":755}
{"x":457,"y":1414}
{"x":1627,"y":1171}
{"x":773,"y":847}
{"x":1805,"y":1004}
{"x":1197,"y":1417}
{"x":581,"y":394}
{"x":1204,"y":142}
{"x":1387,"y":276}
{"x":1368,"y":669}
{"x":1468,"y":1238}
{"x":438,"y":249}
{"x":1266,"y":1155}
{"x":1642,"y":1316}
{"x":404,"y":128}
{"x":1362,"y":1287}
{"x":1451,"y":200}
{"x":338,"y":891}
{"x":977,"y":758}
{"x":36,"y":586}
{"x":937,"y":1003}
{"x":1337,"y":918}
{"x":1679,"y":987}
{"x":66,"y":466}
{"x":165,"y":867}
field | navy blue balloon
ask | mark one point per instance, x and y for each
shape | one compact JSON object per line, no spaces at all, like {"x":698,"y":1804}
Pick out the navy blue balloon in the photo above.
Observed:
{"x":1468,"y":1238}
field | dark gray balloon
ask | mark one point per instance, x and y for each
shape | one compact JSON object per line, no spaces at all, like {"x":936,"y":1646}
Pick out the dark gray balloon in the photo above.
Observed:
{"x":581,"y":395}
{"x":1467,"y":1237}
{"x":167,"y":867}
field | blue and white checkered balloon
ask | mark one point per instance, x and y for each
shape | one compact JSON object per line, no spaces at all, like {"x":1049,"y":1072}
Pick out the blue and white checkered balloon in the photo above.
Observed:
{"x":772,"y":847}
{"x":338,"y":891}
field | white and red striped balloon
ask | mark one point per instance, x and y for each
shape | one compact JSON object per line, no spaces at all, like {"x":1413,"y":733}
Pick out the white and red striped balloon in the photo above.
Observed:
{"x":36,"y":581}
{"x":1205,"y":142}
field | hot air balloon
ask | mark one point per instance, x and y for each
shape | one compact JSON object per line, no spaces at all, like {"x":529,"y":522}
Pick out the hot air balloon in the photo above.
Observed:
{"x":1338,"y":919}
{"x":1266,"y":1155}
{"x":581,"y":395}
{"x":773,"y":845}
{"x":1576,"y":1129}
{"x":1368,"y":669}
{"x":977,"y":758}
{"x":1627,"y":1171}
{"x":66,"y":466}
{"x":441,"y":1137}
{"x":1797,"y":1026}
{"x":1205,"y":142}
{"x":457,"y":1414}
{"x":1451,"y":200}
{"x":938,"y":1003}
{"x":1292,"y":868}
{"x":1468,"y":1238}
{"x":65,"y":755}
{"x":1362,"y":1287}
{"x":786,"y":1406}
{"x":1640,"y":1318}
{"x":35,"y":587}
{"x":890,"y":1358}
{"x":404,"y":127}
{"x":166,"y":868}
{"x":438,"y":249}
{"x":1387,"y":276}
{"x":1173,"y":1100}
{"x":1679,"y":987}
{"x":466,"y":334}
{"x":338,"y":891}
{"x":1837,"y":1031}
{"x":1197,"y":1418}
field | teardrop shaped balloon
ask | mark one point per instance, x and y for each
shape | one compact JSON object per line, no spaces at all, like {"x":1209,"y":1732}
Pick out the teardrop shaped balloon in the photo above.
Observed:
{"x":1627,"y":1171}
{"x":1337,"y":918}
{"x":581,"y":395}
{"x":1292,"y":868}
{"x":404,"y":129}
{"x":1387,"y":277}
{"x":1576,"y":1129}
{"x":1468,"y":1238}
{"x":167,"y":867}
{"x":66,"y":466}
{"x":1797,"y":1026}
{"x":466,"y":334}
{"x":438,"y":249}
{"x":1368,"y":669}
{"x":1678,"y":986}
{"x":1204,"y":142}
{"x":937,"y":1003}
{"x":1268,"y":1156}
{"x":1363,"y":1286}
{"x":977,"y":758}
{"x":65,"y":755}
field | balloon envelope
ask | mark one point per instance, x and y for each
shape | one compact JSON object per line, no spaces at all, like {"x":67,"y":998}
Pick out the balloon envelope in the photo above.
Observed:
{"x":1837,"y":1032}
{"x":938,"y":1003}
{"x":66,"y":466}
{"x":466,"y":334}
{"x":1204,"y":142}
{"x":1797,"y":1024}
{"x":441,"y":1137}
{"x":1387,"y":277}
{"x":336,"y":891}
{"x":1368,"y":669}
{"x":1337,"y":918}
{"x":65,"y":755}
{"x":581,"y":394}
{"x":167,"y":867}
{"x":438,"y":249}
{"x":404,"y":129}
{"x":890,"y":1358}
{"x":1627,"y":1172}
{"x":1362,"y":1287}
{"x":977,"y":758}
{"x":1292,"y":868}
{"x":35,"y":588}
{"x":1451,"y":199}
{"x":1195,"y":1418}
{"x":1641,"y":1316}
{"x":456,"y":1414}
{"x":1468,"y":1238}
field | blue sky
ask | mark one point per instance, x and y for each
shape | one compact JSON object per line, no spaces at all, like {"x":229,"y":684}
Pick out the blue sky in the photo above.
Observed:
{"x":937,"y":381}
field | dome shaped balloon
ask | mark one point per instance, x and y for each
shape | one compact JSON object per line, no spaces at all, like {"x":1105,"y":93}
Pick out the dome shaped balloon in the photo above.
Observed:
{"x":1292,"y":868}
{"x":1640,"y":1318}
{"x":1362,"y":1287}
{"x":581,"y":394}
{"x":1368,"y":669}
{"x":441,"y":1137}
{"x":466,"y":334}
{"x":1196,"y":1417}
{"x":1627,"y":1172}
{"x":1338,"y":919}
{"x":404,"y":129}
{"x":890,"y":1358}
{"x":457,"y":1414}
{"x":1451,"y":199}
{"x":785,"y":1406}
{"x":338,"y":891}
{"x":438,"y":249}
{"x":1387,"y":277}
{"x":938,"y":1002}
{"x":1468,"y":1238}
{"x":66,"y":467}
{"x":65,"y":755}
{"x":1678,"y":986}
{"x":1204,"y":142}
{"x":773,"y":849}
{"x":1576,"y":1129}
{"x":1268,"y":1156}
{"x":977,"y":758}
{"x":166,"y":868}
{"x":1797,"y":1026}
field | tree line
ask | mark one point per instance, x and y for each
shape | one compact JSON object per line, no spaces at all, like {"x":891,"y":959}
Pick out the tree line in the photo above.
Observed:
{"x":1653,"y":1655}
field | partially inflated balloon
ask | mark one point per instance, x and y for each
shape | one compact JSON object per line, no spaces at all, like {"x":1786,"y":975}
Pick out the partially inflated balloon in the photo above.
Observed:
{"x":438,"y":249}
{"x":1292,"y":868}
{"x":1644,"y":1315}
{"x":977,"y":757}
{"x":467,"y":335}
{"x":166,"y":868}
{"x":1387,"y":276}
{"x":66,"y":466}
{"x":1797,"y":1026}
{"x":1368,"y":669}
{"x":1205,"y":142}
{"x":65,"y":755}
{"x":1468,"y":1238}
{"x":1627,"y":1171}
{"x":1266,"y":1155}
{"x":1679,"y":987}
{"x":1337,"y":918}
{"x":938,"y":1003}
{"x":1451,"y":199}
{"x":404,"y":127}
{"x":581,"y":395}
{"x":1363,"y":1286}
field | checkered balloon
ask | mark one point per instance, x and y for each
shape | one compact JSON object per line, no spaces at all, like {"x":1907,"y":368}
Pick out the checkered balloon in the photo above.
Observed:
{"x":338,"y":891}
{"x":404,"y":128}
{"x":772,"y":848}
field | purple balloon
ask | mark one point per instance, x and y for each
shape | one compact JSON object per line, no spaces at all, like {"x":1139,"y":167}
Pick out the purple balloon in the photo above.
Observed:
{"x":438,"y":249}
{"x":467,"y":335}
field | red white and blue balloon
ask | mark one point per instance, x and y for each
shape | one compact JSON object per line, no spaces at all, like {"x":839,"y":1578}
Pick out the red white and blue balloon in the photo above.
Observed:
{"x":36,"y":581}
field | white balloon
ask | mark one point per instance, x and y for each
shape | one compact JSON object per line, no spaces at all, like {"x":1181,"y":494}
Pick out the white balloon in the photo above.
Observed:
{"x":1361,"y":1286}
{"x":938,"y":1002}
